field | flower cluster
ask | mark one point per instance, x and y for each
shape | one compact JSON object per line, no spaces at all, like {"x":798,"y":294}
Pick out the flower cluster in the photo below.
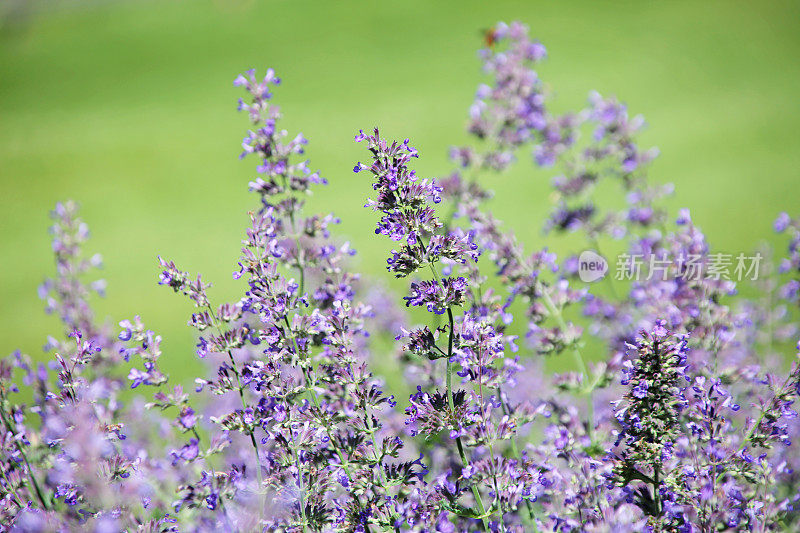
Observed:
{"x":511,"y":111}
{"x":648,"y":416}
{"x":68,"y":294}
{"x":288,"y":426}
{"x":610,"y":153}
{"x":407,"y":204}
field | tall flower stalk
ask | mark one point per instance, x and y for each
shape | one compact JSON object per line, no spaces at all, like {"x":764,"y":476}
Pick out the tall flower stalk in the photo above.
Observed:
{"x":408,"y":217}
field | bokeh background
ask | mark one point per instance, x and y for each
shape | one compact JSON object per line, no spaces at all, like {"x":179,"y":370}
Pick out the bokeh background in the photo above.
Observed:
{"x":128,"y":108}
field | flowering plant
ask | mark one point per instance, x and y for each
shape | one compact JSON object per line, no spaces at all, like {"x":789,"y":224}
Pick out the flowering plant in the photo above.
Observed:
{"x":667,"y":421}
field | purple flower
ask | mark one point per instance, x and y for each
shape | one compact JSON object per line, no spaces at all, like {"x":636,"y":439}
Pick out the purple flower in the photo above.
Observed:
{"x":187,"y":453}
{"x":640,"y":390}
{"x":782,"y":222}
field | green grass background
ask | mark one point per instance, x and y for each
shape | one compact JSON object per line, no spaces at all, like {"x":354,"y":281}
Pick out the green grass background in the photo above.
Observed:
{"x":128,"y":108}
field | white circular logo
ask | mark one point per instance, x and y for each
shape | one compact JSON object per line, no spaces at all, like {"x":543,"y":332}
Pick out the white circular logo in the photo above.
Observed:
{"x":591,"y":266}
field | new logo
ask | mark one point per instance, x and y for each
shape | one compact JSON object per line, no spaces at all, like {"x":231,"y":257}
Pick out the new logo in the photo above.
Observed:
{"x":591,"y":266}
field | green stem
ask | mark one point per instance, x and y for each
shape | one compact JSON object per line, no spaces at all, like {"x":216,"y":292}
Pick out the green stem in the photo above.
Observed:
{"x":378,"y":459}
{"x":609,"y":281}
{"x":475,"y":492}
{"x":515,"y":453}
{"x":299,"y":475}
{"x":557,"y":313}
{"x":32,"y":477}
{"x":656,"y":491}
{"x":244,"y":406}
{"x":491,"y":457}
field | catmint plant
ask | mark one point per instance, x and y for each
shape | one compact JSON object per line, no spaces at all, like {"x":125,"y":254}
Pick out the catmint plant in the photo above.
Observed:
{"x":679,"y":416}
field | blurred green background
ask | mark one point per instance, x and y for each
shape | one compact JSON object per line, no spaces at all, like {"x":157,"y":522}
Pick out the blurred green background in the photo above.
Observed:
{"x":128,"y":108}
